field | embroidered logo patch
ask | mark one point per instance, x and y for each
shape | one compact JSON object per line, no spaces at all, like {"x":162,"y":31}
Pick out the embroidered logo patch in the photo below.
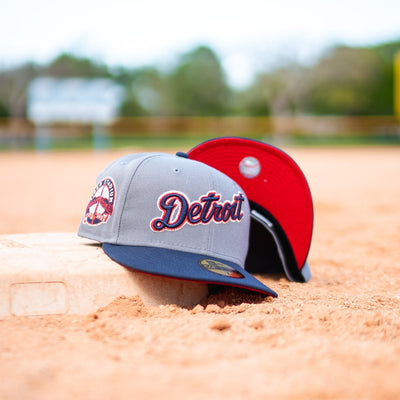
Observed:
{"x":101,"y":204}
{"x":177,"y":210}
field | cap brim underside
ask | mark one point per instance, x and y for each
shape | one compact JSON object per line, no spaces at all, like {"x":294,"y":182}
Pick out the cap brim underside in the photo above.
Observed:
{"x":184,"y":265}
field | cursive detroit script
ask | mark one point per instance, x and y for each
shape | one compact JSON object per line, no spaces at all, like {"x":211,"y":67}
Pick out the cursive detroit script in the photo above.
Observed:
{"x":177,"y":210}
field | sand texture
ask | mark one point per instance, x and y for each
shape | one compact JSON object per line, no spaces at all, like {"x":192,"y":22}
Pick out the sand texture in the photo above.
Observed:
{"x":336,"y":337}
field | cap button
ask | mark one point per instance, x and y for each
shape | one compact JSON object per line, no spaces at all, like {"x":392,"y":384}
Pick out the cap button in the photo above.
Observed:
{"x":181,"y":154}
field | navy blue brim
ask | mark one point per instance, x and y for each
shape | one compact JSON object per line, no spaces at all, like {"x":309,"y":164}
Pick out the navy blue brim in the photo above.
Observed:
{"x":184,"y":265}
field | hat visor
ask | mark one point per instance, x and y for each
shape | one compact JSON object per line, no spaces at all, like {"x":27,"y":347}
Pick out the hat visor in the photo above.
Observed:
{"x":183,"y":265}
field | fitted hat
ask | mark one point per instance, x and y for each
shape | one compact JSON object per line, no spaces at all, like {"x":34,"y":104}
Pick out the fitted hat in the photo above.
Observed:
{"x":280,"y":201}
{"x":168,"y":215}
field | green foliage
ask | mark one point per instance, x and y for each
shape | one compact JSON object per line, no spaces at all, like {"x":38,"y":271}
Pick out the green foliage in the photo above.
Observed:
{"x":345,"y":81}
{"x":4,"y":111}
{"x":67,"y":65}
{"x":146,"y":92}
{"x":13,"y":85}
{"x":198,"y":85}
{"x":251,"y":102}
{"x":130,"y":107}
{"x":382,"y":92}
{"x":282,"y":91}
{"x":351,"y":82}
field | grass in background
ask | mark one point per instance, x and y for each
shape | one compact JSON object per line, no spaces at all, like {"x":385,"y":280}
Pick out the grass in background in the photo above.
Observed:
{"x":87,"y":143}
{"x":185,"y":143}
{"x":346,"y":140}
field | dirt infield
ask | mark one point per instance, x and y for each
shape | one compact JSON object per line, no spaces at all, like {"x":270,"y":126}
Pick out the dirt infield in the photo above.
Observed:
{"x":336,"y":337}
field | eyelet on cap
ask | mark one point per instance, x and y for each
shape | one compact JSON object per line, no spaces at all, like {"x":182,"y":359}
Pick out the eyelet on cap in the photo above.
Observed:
{"x":181,"y":154}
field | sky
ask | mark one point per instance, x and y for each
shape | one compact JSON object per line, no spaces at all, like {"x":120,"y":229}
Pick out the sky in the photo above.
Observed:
{"x":247,"y":35}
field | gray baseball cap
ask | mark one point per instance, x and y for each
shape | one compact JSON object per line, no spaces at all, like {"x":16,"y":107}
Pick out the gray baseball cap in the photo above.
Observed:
{"x":168,"y":215}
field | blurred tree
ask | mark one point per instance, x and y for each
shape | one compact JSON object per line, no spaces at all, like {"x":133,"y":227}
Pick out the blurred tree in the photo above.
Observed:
{"x":251,"y":101}
{"x":353,"y":81}
{"x":346,"y":81}
{"x":130,"y":106}
{"x":282,"y":90}
{"x":342,"y":81}
{"x":13,"y":84}
{"x":146,"y":92}
{"x":198,"y":85}
{"x":68,"y":66}
{"x":4,"y":112}
{"x":383,"y":91}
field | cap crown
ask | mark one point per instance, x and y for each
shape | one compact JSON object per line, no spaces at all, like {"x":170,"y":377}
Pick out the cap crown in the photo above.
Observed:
{"x":161,"y":200}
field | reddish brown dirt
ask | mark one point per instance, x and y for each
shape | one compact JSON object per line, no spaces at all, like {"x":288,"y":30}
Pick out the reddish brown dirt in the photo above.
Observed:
{"x":336,"y":337}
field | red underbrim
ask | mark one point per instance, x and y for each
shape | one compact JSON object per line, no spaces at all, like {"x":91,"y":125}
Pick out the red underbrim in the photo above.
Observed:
{"x":280,"y":186}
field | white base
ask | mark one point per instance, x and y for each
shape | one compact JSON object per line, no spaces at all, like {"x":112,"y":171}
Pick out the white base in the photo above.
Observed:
{"x":61,"y":273}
